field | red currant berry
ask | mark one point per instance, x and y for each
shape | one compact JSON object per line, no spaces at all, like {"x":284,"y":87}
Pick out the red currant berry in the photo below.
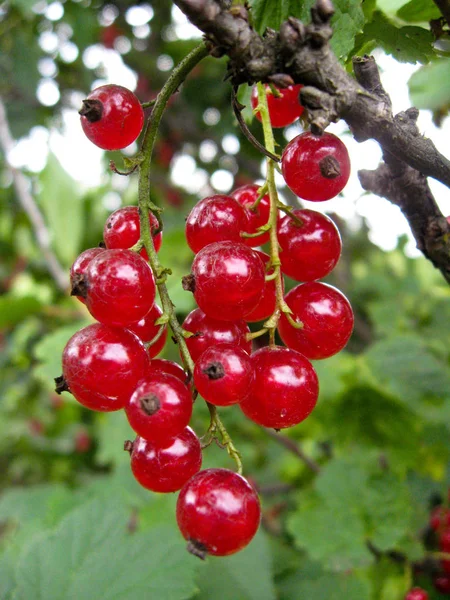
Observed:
{"x":283,"y":110}
{"x":267,"y":302}
{"x":327,"y":319}
{"x":316,"y":167}
{"x":442,"y":584}
{"x":440,"y":518}
{"x":215,"y":219}
{"x":218,"y":512}
{"x":210,"y":332}
{"x":170,"y":367}
{"x":146,"y":330}
{"x":78,"y":269}
{"x":227,"y":280}
{"x":166,"y":468}
{"x":246,"y":195}
{"x":101,"y":366}
{"x":416,"y":593}
{"x":122,"y":230}
{"x":160,"y":407}
{"x":310,"y":244}
{"x":285,"y":388}
{"x":223,"y":375}
{"x":112,"y":117}
{"x":444,"y":541}
{"x":118,"y":286}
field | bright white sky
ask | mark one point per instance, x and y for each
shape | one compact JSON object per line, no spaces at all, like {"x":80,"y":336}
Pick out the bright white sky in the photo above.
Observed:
{"x":83,"y":160}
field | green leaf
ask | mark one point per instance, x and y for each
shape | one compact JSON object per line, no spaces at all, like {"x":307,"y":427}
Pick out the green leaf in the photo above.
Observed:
{"x":113,"y":430}
{"x":91,"y":555}
{"x":419,"y":11}
{"x":243,"y":576}
{"x":61,"y":202}
{"x":13,"y":310}
{"x":429,"y":87}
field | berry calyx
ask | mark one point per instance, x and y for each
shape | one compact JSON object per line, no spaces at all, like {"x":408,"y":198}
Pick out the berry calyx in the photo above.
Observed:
{"x":310,"y":245}
{"x":101,"y":366}
{"x":285,"y":388}
{"x":416,"y":593}
{"x":160,"y":407}
{"x":315,"y":167}
{"x":218,"y":512}
{"x":227,"y":280}
{"x":327,"y":319}
{"x":223,"y":375}
{"x":111,"y":117}
{"x":210,"y":332}
{"x":166,"y":467}
{"x":247,"y":195}
{"x":122,"y":230}
{"x":78,"y":269}
{"x":146,"y":330}
{"x":284,"y":109}
{"x":215,"y":219}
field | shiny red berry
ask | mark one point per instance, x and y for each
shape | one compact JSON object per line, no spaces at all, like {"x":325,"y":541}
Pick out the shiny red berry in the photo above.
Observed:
{"x":160,"y":407}
{"x":146,"y":330}
{"x":285,"y":388}
{"x":227,"y":280}
{"x":442,"y":584}
{"x":170,"y":367}
{"x":246,"y":195}
{"x":223,"y":375}
{"x":440,"y":518}
{"x":210,"y":332}
{"x":316,"y":167}
{"x":78,"y":269}
{"x":283,"y":110}
{"x":112,"y":117}
{"x":167,"y":467}
{"x":266,"y":305}
{"x":327,"y":319}
{"x":310,"y":245}
{"x":416,"y":593}
{"x":218,"y":512}
{"x":102,"y":365}
{"x":215,"y":219}
{"x":118,"y":286}
{"x":122,"y":229}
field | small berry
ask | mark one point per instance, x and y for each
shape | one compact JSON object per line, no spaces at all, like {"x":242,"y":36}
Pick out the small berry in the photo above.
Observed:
{"x":112,"y":117}
{"x":246,"y":195}
{"x":227,"y":280}
{"x":146,"y":330}
{"x":160,"y":407}
{"x":78,"y":269}
{"x":285,"y":388}
{"x":122,"y":230}
{"x":210,"y":332}
{"x":215,"y":219}
{"x":82,"y":441}
{"x":218,"y":512}
{"x":310,"y":245}
{"x":170,"y":367}
{"x":440,"y":518}
{"x":442,"y":584}
{"x":267,"y":303}
{"x":416,"y":593}
{"x":327,"y":319}
{"x":101,"y":366}
{"x":444,"y":540}
{"x":166,"y":467}
{"x":223,"y":375}
{"x":316,"y":168}
{"x":283,"y":110}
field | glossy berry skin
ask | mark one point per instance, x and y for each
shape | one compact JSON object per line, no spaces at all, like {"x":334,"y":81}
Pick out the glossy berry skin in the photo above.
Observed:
{"x":101,"y":366}
{"x":440,"y":518}
{"x":228,"y":280}
{"x":223,"y":375}
{"x":170,"y":367}
{"x":215,"y":219}
{"x":246,"y":195}
{"x":120,"y":287}
{"x":266,"y":305}
{"x":218,"y":512}
{"x":316,"y":168}
{"x":78,"y":269}
{"x":210,"y":332}
{"x":146,"y":330}
{"x":112,"y":117}
{"x":167,"y":467}
{"x":327,"y":319}
{"x":309,"y":250}
{"x":416,"y":594}
{"x":442,"y":584}
{"x":285,"y":388}
{"x":283,"y":110}
{"x":160,"y":407}
{"x":122,"y":230}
